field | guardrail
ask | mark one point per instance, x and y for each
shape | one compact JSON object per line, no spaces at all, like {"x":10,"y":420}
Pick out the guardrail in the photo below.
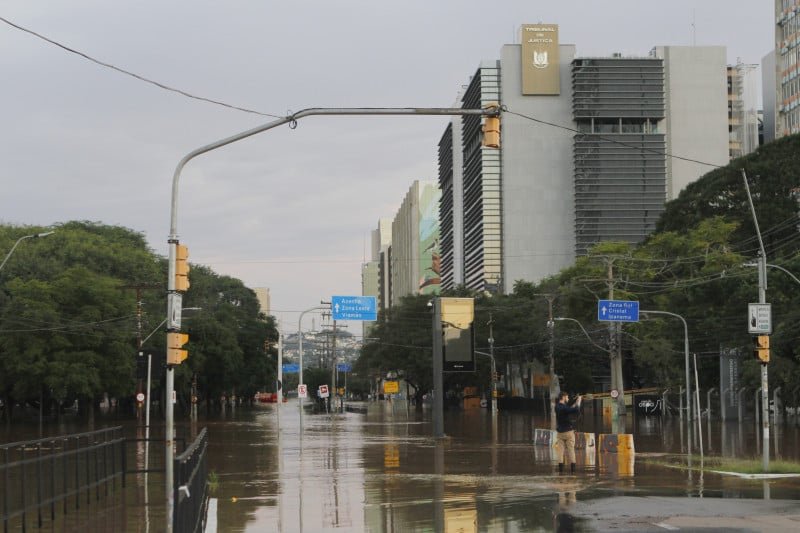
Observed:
{"x":40,"y":477}
{"x":191,"y":486}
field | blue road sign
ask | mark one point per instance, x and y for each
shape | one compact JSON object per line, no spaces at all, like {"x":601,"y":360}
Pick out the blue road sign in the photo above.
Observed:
{"x":617,"y":311}
{"x":354,"y":308}
{"x":344,"y":367}
{"x":291,"y":368}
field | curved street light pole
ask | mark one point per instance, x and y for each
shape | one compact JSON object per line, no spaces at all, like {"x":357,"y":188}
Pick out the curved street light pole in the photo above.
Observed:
{"x":34,"y":236}
{"x":561,"y":318}
{"x":300,"y":348}
{"x":489,"y":111}
{"x":686,"y":357}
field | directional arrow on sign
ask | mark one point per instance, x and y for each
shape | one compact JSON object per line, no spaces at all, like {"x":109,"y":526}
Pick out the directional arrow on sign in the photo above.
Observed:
{"x":604,"y":310}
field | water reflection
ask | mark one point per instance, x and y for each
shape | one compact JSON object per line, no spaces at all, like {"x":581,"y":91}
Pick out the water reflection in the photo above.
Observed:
{"x":382,"y":471}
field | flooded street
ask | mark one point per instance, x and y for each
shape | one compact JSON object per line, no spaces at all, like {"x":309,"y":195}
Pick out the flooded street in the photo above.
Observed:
{"x":382,"y":471}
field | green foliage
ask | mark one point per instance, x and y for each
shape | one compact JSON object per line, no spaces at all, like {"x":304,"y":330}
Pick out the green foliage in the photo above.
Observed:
{"x":693,"y":265}
{"x":68,"y":318}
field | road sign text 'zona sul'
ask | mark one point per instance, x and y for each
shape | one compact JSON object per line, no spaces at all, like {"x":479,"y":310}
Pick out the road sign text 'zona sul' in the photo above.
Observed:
{"x":617,"y":311}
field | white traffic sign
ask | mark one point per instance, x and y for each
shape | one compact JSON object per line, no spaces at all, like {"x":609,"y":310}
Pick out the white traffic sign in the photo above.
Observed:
{"x":140,"y":397}
{"x":302,"y":391}
{"x":759,"y":321}
{"x":614,"y":393}
{"x":174,"y":307}
{"x":323,"y":391}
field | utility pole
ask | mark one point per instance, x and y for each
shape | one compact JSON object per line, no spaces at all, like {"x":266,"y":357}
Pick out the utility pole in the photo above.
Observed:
{"x":334,"y":375}
{"x":438,"y":363}
{"x":494,"y":367}
{"x":551,"y":327}
{"x":139,"y":287}
{"x":551,"y":349}
{"x":615,"y":347}
{"x":762,"y":299}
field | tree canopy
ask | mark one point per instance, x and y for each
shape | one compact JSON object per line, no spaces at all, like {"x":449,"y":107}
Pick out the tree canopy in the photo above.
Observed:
{"x":69,"y":319}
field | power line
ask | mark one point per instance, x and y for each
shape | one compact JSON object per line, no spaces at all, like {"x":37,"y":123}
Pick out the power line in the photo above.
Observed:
{"x":133,"y":74}
{"x":602,"y":138}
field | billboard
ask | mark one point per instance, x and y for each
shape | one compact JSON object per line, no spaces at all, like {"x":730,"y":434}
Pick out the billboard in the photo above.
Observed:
{"x":458,"y":342}
{"x":429,"y":259}
{"x":540,"y":60}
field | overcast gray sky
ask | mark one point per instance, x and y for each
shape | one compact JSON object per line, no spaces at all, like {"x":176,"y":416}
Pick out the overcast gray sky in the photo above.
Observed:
{"x":287,"y":209}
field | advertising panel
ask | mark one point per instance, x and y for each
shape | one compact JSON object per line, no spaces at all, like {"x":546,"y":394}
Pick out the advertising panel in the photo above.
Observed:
{"x":429,"y":259}
{"x":458,"y":315}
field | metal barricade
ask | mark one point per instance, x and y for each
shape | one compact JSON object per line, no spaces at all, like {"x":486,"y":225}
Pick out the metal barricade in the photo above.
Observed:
{"x":191,"y":486}
{"x":39,"y":478}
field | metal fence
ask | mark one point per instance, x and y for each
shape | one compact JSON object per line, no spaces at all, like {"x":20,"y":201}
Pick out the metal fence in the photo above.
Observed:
{"x":191,"y":486}
{"x":41,"y":478}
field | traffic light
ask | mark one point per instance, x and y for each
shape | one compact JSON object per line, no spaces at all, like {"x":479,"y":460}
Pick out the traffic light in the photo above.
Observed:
{"x":181,"y":268}
{"x":761,"y":350}
{"x":491,"y":132}
{"x":175,"y":352}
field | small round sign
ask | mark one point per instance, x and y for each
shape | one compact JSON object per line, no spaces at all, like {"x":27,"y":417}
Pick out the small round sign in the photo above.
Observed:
{"x":614,"y":393}
{"x":140,"y":397}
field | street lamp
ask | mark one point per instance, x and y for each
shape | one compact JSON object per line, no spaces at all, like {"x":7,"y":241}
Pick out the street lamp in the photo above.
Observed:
{"x":300,"y":349}
{"x":561,"y":318}
{"x":34,"y":236}
{"x":488,"y":111}
{"x":688,"y":381}
{"x":777,"y":267}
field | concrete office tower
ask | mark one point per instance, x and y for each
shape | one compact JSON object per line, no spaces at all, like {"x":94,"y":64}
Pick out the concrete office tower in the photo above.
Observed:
{"x":550,"y":193}
{"x":262,"y":294}
{"x":695,"y":85}
{"x":787,"y":61}
{"x":415,"y":243}
{"x":538,"y":236}
{"x":742,"y":109}
{"x":620,"y":170}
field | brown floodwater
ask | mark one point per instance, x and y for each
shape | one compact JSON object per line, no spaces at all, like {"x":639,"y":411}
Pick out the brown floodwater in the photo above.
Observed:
{"x":274,"y":470}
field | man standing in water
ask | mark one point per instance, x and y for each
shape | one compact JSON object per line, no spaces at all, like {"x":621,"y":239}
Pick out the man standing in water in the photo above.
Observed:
{"x":566,"y":430}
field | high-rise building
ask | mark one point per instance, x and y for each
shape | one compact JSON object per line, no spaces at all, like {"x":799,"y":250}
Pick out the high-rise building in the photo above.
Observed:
{"x":769,"y":94}
{"x":481,"y":217}
{"x":591,"y":149}
{"x":415,"y":243}
{"x":371,"y":280}
{"x":742,"y":109}
{"x":451,"y":220}
{"x":696,"y":121}
{"x":787,"y":60}
{"x":262,"y":294}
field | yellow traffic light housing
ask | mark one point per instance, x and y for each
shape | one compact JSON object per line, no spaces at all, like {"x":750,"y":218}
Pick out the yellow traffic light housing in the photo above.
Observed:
{"x":175,"y":352}
{"x":491,"y":127}
{"x":491,"y":132}
{"x":181,"y":268}
{"x":761,"y":350}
